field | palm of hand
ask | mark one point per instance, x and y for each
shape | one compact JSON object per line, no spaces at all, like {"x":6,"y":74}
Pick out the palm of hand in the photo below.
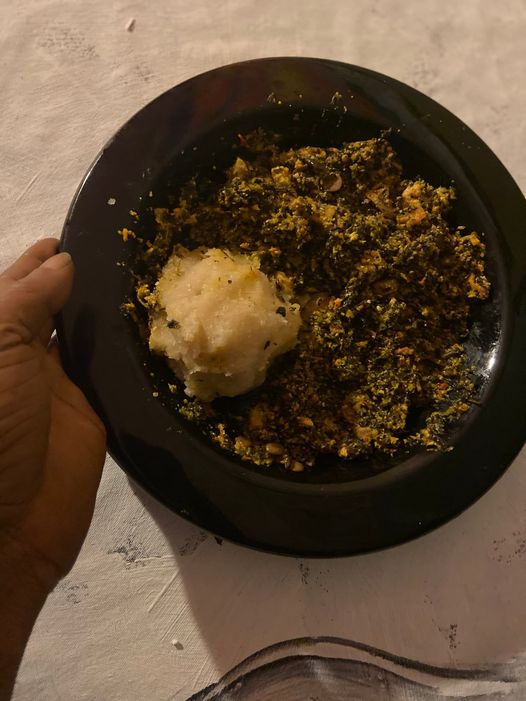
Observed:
{"x":52,"y":444}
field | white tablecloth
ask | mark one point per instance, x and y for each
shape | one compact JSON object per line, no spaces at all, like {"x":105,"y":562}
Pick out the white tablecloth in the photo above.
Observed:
{"x":155,"y":609}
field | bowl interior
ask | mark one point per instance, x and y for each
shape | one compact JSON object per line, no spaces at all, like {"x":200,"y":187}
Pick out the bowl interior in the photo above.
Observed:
{"x":213,"y":150}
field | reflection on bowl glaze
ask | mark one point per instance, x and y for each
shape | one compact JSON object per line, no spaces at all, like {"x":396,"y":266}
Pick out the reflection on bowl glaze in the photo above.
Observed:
{"x":335,"y":669}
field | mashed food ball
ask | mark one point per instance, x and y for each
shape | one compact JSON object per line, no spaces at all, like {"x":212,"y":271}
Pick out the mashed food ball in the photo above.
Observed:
{"x":220,"y":321}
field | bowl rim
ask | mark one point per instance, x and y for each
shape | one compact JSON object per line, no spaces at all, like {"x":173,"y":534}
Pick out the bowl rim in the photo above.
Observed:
{"x":253,"y":474}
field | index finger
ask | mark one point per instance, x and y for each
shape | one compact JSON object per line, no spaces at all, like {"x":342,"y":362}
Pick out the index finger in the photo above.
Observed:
{"x":31,"y":259}
{"x":27,"y":306}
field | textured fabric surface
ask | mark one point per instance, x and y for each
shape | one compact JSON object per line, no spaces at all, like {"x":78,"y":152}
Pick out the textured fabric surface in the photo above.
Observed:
{"x":154,"y":609}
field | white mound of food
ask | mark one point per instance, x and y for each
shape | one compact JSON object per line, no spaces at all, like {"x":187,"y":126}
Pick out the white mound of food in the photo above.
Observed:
{"x":220,"y":321}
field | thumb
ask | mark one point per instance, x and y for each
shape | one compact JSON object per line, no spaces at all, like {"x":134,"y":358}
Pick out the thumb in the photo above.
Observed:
{"x":27,"y":305}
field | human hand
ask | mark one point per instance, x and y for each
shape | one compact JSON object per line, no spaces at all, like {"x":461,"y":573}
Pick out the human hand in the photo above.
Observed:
{"x":52,"y":444}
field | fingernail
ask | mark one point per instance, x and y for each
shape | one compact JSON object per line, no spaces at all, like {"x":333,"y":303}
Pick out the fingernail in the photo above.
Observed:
{"x":60,"y":260}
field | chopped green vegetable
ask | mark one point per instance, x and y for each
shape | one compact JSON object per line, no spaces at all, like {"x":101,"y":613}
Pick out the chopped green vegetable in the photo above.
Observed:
{"x":385,"y":285}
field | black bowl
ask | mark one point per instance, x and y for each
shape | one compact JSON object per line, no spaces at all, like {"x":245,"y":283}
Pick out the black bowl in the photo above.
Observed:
{"x":344,"y":509}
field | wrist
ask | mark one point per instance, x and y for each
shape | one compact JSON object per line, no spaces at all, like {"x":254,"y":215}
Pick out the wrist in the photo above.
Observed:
{"x":24,"y":586}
